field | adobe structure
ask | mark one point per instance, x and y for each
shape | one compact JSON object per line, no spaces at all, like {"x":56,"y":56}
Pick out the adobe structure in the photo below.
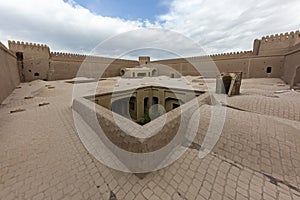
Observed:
{"x":275,"y":56}
{"x":51,"y":147}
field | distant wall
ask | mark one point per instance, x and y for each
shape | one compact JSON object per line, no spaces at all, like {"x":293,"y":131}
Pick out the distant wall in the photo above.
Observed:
{"x":251,"y":65}
{"x":65,"y":66}
{"x":271,"y":57}
{"x":9,"y":73}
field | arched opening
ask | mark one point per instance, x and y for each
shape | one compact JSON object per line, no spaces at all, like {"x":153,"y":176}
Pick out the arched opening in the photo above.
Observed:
{"x":171,"y":103}
{"x":154,"y":100}
{"x":154,"y":72}
{"x":146,"y":104}
{"x":227,"y":83}
{"x":296,"y":80}
{"x":132,"y":108}
{"x":297,"y":77}
{"x":269,"y":70}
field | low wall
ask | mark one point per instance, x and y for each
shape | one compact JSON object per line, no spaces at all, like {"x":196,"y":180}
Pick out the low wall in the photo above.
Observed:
{"x":9,"y":73}
{"x":292,"y":66}
{"x":252,"y":66}
{"x":149,"y":138}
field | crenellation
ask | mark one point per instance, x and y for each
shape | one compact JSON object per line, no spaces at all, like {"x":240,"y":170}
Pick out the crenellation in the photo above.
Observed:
{"x":18,"y":46}
{"x":230,"y":54}
{"x":281,"y":36}
{"x":67,"y":55}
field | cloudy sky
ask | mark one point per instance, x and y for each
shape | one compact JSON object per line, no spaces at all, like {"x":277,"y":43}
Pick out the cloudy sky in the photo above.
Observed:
{"x":78,"y":26}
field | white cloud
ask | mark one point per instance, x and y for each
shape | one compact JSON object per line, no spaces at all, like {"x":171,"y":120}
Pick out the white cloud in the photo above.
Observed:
{"x":218,"y":26}
{"x":231,"y":24}
{"x":63,"y":26}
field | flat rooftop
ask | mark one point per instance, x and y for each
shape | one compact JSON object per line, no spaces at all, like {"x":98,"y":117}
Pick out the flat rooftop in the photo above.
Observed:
{"x":256,"y":157}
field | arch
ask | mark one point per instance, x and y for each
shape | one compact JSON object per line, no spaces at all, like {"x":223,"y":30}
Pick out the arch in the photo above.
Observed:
{"x":296,"y":77}
{"x":171,"y":103}
{"x":133,"y":107}
{"x":227,"y":82}
{"x":146,"y":103}
{"x":154,"y":100}
{"x":154,"y":72}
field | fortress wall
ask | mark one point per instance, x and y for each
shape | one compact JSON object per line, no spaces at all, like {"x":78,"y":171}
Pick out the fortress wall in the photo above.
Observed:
{"x":269,"y":51}
{"x":9,"y":73}
{"x":279,"y":43}
{"x":66,"y":66}
{"x":252,"y":66}
{"x":35,"y":59}
{"x":292,"y":66}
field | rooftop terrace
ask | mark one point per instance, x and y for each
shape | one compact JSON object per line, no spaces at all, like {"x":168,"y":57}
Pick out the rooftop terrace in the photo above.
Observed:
{"x":256,"y":157}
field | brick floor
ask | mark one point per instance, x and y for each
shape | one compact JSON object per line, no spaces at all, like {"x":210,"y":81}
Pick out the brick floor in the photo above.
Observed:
{"x":257,"y":156}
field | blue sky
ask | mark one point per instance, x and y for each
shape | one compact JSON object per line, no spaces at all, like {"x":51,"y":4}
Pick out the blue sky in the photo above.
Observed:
{"x":127,"y":9}
{"x":78,"y":26}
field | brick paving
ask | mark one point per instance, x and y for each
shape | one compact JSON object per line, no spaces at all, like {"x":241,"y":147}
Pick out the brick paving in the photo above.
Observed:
{"x":41,"y":156}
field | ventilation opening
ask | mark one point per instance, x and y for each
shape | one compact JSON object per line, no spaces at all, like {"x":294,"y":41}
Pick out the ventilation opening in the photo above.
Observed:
{"x":36,"y":74}
{"x":269,"y":70}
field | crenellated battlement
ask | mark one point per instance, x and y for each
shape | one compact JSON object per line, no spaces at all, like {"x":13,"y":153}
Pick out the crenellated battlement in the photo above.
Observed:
{"x":67,"y":55}
{"x":276,"y":44}
{"x":238,"y":53}
{"x":225,"y":55}
{"x":19,"y":46}
{"x":76,"y":57}
{"x":62,"y":56}
{"x":281,"y":37}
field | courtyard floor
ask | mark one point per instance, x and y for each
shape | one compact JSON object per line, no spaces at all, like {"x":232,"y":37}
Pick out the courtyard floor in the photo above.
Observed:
{"x":256,"y":157}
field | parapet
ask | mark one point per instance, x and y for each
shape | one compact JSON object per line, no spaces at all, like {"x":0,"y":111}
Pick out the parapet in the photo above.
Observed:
{"x":225,"y":55}
{"x":61,"y":55}
{"x":24,"y":46}
{"x":281,"y":37}
{"x":230,"y":54}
